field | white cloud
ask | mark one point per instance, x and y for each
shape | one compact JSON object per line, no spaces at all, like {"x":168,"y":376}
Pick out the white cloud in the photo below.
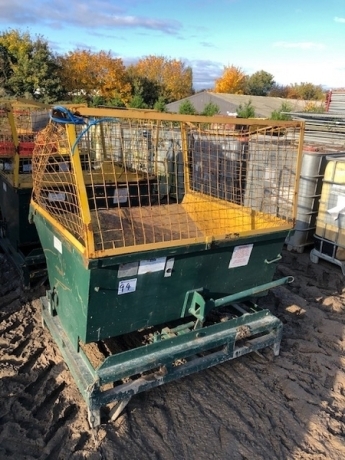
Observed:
{"x":339,"y":19}
{"x":87,"y":15}
{"x":300,"y":45}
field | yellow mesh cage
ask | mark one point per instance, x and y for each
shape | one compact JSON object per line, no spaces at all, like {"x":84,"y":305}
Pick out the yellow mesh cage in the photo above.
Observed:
{"x":19,"y":125}
{"x":137,"y":182}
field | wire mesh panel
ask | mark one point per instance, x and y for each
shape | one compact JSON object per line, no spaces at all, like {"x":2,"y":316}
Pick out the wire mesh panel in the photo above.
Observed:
{"x":132,"y":182}
{"x":19,"y":125}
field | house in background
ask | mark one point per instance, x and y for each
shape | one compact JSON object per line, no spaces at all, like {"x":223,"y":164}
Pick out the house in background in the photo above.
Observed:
{"x":229,"y":103}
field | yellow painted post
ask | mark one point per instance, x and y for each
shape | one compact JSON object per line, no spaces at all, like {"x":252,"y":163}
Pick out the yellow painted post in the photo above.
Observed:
{"x":81,"y":190}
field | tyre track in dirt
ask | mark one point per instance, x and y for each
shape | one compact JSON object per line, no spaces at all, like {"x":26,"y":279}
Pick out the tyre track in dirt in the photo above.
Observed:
{"x":35,"y":411}
{"x":286,"y":407}
{"x":258,"y":406}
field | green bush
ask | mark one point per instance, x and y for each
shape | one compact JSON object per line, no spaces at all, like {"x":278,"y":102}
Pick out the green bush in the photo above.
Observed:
{"x":160,"y":105}
{"x":187,"y":108}
{"x":279,"y":115}
{"x":137,"y":102}
{"x":246,"y":110}
{"x":210,"y":109}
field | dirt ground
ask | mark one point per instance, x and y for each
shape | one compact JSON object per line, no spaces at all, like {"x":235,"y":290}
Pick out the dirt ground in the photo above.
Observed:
{"x":255,"y":407}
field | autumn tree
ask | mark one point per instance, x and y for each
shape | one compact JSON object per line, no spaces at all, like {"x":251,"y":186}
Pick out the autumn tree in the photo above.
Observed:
{"x":172,"y":78}
{"x":306,"y":91}
{"x":259,"y":84}
{"x":29,"y":68}
{"x":88,"y":73}
{"x":233,"y":81}
{"x":5,"y":69}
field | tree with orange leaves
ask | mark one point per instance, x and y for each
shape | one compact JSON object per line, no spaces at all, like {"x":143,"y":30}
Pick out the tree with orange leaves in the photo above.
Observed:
{"x":95,"y":74}
{"x":233,"y":81}
{"x":172,"y":77}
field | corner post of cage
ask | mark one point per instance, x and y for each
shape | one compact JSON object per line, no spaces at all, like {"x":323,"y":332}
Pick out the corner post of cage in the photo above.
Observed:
{"x":81,"y":189}
{"x":298,"y":167}
{"x":185,"y":155}
{"x":15,"y":139}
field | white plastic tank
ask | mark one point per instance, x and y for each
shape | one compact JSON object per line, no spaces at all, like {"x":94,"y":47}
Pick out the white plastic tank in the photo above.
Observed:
{"x":330,"y":222}
{"x":312,"y":172}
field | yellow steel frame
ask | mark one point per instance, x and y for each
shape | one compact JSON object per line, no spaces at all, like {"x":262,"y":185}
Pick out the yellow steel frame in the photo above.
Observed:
{"x":189,"y":119}
{"x":79,"y":179}
{"x":183,"y":120}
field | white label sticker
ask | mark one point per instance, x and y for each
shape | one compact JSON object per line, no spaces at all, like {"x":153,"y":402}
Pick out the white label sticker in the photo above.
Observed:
{"x":151,"y":265}
{"x":339,"y":208}
{"x":120,"y":195}
{"x":56,"y":196}
{"x":57,"y":244}
{"x":126,"y":270}
{"x":169,"y":267}
{"x":4,"y":186}
{"x":240,"y":256}
{"x":127,"y":286}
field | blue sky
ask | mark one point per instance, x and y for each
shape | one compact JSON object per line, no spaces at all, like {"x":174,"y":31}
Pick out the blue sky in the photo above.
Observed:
{"x":295,"y":40}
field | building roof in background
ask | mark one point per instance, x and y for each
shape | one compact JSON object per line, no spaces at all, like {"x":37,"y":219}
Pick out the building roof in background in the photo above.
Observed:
{"x":228,"y":103}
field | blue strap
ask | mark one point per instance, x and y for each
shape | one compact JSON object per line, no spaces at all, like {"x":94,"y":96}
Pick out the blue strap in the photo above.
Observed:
{"x":60,"y":114}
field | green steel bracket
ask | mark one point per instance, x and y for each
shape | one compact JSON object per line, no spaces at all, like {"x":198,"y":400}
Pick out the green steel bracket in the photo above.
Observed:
{"x":196,"y":305}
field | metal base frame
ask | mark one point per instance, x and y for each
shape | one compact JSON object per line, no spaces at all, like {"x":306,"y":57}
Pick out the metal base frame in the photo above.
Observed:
{"x":327,"y":250}
{"x":315,"y":255}
{"x":299,"y":248}
{"x":300,"y":240}
{"x":163,"y":361}
{"x":31,"y":268}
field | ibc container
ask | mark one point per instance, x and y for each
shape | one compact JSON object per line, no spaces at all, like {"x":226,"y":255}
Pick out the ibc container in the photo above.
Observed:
{"x":330,"y":222}
{"x":310,"y":185}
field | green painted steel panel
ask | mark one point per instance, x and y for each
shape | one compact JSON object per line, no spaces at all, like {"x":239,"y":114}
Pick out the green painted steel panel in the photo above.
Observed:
{"x":14,"y":205}
{"x":92,"y":305}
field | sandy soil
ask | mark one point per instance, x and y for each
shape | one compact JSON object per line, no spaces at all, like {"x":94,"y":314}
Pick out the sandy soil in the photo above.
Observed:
{"x":255,"y":407}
